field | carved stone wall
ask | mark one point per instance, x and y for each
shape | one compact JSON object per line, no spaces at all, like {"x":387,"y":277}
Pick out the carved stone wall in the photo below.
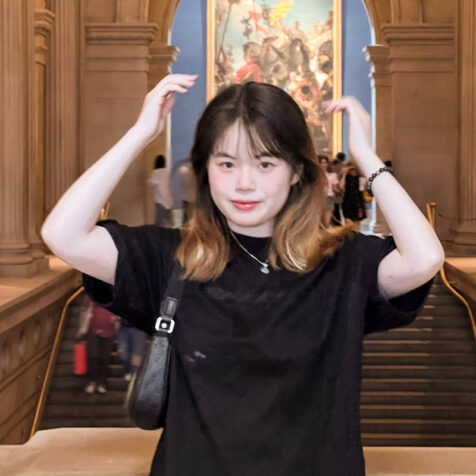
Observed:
{"x":24,"y":353}
{"x":29,"y":313}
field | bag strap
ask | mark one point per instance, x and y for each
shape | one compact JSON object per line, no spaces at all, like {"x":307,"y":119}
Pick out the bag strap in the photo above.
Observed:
{"x":165,"y":322}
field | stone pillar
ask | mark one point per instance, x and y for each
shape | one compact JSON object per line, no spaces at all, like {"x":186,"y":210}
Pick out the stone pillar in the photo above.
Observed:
{"x":62,"y":143}
{"x":43,"y":23}
{"x":117,"y":65}
{"x":162,"y":59}
{"x":425,"y":114}
{"x":464,"y":239}
{"x":382,"y":125}
{"x":15,"y":254}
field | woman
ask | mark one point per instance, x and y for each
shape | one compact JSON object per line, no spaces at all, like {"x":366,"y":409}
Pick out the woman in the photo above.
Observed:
{"x":265,"y":370}
{"x":99,"y":326}
{"x":353,"y":205}
{"x":159,"y":180}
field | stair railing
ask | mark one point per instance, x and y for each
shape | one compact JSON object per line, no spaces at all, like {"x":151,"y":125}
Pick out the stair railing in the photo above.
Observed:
{"x":54,"y":350}
{"x":51,"y":362}
{"x":431,"y":212}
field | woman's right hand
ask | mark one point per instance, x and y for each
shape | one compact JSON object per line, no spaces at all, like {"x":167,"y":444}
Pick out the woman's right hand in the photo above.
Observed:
{"x":159,"y":102}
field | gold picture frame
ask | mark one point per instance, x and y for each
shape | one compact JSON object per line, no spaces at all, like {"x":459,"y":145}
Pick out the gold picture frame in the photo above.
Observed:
{"x":255,"y":30}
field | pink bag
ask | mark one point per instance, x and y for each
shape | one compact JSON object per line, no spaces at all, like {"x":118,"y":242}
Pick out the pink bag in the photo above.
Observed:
{"x":81,"y":358}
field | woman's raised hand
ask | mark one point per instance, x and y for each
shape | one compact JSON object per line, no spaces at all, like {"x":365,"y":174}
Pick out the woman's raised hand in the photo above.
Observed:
{"x":159,"y":102}
{"x":360,"y":126}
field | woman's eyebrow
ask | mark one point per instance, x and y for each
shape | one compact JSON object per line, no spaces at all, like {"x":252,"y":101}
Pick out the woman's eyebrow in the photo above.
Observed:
{"x":223,"y":154}
{"x":265,"y":155}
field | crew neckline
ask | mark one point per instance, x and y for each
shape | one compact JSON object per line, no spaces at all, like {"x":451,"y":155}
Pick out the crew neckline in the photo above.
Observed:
{"x":254,"y":244}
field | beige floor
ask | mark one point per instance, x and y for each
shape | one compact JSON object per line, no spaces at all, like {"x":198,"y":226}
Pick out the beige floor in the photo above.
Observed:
{"x":128,"y":451}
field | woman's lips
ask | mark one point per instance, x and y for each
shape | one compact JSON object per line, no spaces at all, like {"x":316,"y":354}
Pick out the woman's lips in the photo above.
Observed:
{"x":244,"y":205}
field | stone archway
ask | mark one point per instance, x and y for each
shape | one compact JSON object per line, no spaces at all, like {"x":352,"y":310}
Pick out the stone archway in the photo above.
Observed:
{"x":162,"y":13}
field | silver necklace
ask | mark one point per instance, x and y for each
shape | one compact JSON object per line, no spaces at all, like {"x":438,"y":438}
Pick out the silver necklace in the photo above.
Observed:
{"x":264,"y":264}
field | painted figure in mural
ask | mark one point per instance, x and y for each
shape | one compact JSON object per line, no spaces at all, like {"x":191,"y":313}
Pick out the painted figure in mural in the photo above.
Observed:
{"x":250,"y":71}
{"x":266,"y":356}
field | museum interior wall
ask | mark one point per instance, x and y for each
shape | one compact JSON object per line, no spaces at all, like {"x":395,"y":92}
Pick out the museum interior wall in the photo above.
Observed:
{"x":72,"y":79}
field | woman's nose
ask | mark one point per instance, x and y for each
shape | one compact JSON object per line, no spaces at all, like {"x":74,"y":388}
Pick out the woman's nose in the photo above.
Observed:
{"x":245,"y":180}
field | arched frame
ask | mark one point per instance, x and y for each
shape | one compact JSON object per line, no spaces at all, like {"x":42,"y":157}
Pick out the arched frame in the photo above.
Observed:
{"x":162,"y":12}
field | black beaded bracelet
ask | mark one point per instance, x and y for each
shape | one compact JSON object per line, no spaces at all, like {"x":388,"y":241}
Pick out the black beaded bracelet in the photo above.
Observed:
{"x":374,"y":176}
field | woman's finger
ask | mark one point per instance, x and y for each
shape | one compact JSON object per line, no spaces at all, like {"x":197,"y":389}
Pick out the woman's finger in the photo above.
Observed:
{"x":184,"y":80}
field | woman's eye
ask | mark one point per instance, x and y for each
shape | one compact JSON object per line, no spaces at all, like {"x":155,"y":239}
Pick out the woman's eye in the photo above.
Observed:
{"x":266,"y":165}
{"x":226,"y":165}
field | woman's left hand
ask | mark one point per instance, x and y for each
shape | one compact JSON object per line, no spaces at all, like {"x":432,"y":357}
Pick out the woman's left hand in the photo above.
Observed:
{"x":360,"y":126}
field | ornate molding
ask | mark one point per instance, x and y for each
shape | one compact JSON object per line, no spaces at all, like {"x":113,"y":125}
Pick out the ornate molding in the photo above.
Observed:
{"x":44,"y":20}
{"x":120,"y":33}
{"x":419,"y":34}
{"x":421,"y":48}
{"x":166,"y":54}
{"x":379,"y":58}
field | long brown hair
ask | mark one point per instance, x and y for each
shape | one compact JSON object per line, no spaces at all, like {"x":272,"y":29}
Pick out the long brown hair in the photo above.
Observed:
{"x":274,"y":124}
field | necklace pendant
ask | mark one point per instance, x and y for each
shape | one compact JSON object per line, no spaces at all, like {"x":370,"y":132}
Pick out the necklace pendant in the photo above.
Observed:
{"x":264,"y":269}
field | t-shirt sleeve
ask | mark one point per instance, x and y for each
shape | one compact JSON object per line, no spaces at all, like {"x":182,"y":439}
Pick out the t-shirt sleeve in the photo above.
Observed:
{"x":144,"y":263}
{"x":382,"y":313}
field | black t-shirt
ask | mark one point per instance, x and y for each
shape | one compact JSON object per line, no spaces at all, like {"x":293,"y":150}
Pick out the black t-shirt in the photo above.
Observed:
{"x":265,"y":369}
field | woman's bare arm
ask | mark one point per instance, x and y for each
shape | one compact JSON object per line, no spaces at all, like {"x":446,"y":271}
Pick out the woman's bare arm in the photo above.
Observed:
{"x":70,"y":229}
{"x":419,"y":254}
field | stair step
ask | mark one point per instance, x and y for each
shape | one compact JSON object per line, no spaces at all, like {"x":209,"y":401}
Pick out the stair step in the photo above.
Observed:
{"x":114,"y":422}
{"x":420,"y":385}
{"x":112,"y":397}
{"x":443,"y":300}
{"x":444,"y":310}
{"x":422,"y":333}
{"x":410,"y":439}
{"x":418,"y":346}
{"x":66,"y":356}
{"x":395,"y":426}
{"x":67,"y":346}
{"x":419,"y":371}
{"x":78,"y":383}
{"x":430,"y":412}
{"x":67,"y":369}
{"x":440,"y":322}
{"x":418,"y":398}
{"x":98,"y":411}
{"x":418,"y":358}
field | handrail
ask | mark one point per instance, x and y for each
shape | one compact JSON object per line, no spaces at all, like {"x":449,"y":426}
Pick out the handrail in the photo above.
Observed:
{"x":51,"y":362}
{"x":430,"y":211}
{"x":54,"y":350}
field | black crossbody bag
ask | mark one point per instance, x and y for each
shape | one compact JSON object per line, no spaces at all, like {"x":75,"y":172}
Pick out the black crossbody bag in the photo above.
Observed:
{"x":148,"y":390}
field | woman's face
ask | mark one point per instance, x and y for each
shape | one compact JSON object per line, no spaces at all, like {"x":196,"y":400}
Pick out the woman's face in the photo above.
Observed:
{"x":249,"y":191}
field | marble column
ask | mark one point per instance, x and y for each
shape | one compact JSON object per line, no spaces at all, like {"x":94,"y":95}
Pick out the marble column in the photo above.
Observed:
{"x":381,"y":81}
{"x":464,"y":239}
{"x":43,"y":23}
{"x":15,"y":254}
{"x":117,"y":62}
{"x":63,"y":105}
